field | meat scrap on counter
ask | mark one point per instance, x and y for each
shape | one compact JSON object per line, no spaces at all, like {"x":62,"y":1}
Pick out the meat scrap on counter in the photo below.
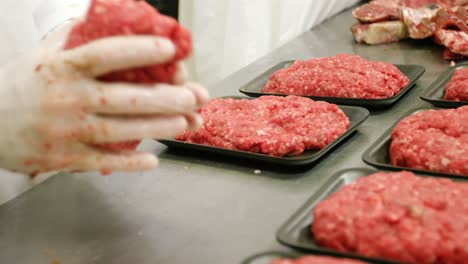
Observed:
{"x":457,"y":88}
{"x":434,"y":140}
{"x":345,"y":75}
{"x":317,"y":260}
{"x":397,"y":216}
{"x":456,"y":41}
{"x":271,"y":125}
{"x":386,"y":21}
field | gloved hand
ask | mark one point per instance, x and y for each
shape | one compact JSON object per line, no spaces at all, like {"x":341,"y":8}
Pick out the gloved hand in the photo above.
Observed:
{"x":52,"y":109}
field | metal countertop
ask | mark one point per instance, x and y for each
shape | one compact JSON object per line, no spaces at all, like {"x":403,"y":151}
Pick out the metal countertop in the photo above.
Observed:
{"x":198,"y":209}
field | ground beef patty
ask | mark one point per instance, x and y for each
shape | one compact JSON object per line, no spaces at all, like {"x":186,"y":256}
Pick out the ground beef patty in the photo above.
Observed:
{"x":457,"y":88}
{"x":397,"y":216}
{"x":317,"y":260}
{"x":348,"y":76}
{"x":435,"y":140}
{"x":272,"y":125}
{"x":106,"y":18}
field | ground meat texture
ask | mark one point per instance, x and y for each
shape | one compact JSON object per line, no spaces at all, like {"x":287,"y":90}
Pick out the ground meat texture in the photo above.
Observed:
{"x":457,"y":88}
{"x":434,"y":140}
{"x":317,"y":260}
{"x":272,"y":125}
{"x":347,"y":76}
{"x":397,"y":216}
{"x":107,"y":18}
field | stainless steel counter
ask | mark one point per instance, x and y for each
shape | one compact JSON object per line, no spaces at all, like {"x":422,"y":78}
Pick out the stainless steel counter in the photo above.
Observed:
{"x":197,"y":209}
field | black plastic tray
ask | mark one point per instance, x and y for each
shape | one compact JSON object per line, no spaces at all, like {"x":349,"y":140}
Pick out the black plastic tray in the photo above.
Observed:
{"x":413,"y":72}
{"x":357,"y":115}
{"x":296,"y":232}
{"x":436,"y":92}
{"x":268,"y":257}
{"x":378,"y":155}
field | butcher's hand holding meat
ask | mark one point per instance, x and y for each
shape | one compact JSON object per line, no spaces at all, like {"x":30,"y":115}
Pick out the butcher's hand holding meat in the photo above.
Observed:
{"x":53,"y":111}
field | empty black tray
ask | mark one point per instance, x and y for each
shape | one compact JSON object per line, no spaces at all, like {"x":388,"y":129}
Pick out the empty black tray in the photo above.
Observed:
{"x":436,"y":92}
{"x":378,"y":155}
{"x":413,"y":72}
{"x":357,"y":115}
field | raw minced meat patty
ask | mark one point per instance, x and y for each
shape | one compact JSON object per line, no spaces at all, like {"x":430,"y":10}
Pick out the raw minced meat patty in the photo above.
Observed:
{"x":317,"y":260}
{"x":434,"y":140}
{"x":345,"y":75}
{"x":397,"y":216}
{"x":272,"y":125}
{"x":106,"y":18}
{"x":457,"y":88}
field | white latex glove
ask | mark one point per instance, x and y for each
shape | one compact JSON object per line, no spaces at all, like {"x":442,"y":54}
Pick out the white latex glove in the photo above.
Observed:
{"x":52,"y":109}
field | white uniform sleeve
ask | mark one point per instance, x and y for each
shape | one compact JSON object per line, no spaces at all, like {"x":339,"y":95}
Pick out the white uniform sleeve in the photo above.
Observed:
{"x":23,"y":23}
{"x":17,"y":30}
{"x":230,"y":34}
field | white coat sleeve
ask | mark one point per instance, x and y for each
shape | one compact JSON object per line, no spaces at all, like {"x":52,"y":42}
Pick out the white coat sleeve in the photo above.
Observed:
{"x":230,"y":34}
{"x":23,"y":23}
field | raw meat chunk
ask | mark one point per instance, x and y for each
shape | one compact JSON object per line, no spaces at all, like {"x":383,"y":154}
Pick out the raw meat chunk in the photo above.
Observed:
{"x":272,"y":125}
{"x":453,"y":32}
{"x":378,"y":10}
{"x":456,"y":41}
{"x":345,"y":75}
{"x":421,"y":21}
{"x":449,"y":55}
{"x":317,"y":260}
{"x":434,"y":140}
{"x":453,"y":18}
{"x":385,"y":10}
{"x":421,"y":17}
{"x":107,"y":18}
{"x":380,"y":32}
{"x":422,"y":3}
{"x":452,"y":3}
{"x":397,"y":216}
{"x":457,"y":88}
